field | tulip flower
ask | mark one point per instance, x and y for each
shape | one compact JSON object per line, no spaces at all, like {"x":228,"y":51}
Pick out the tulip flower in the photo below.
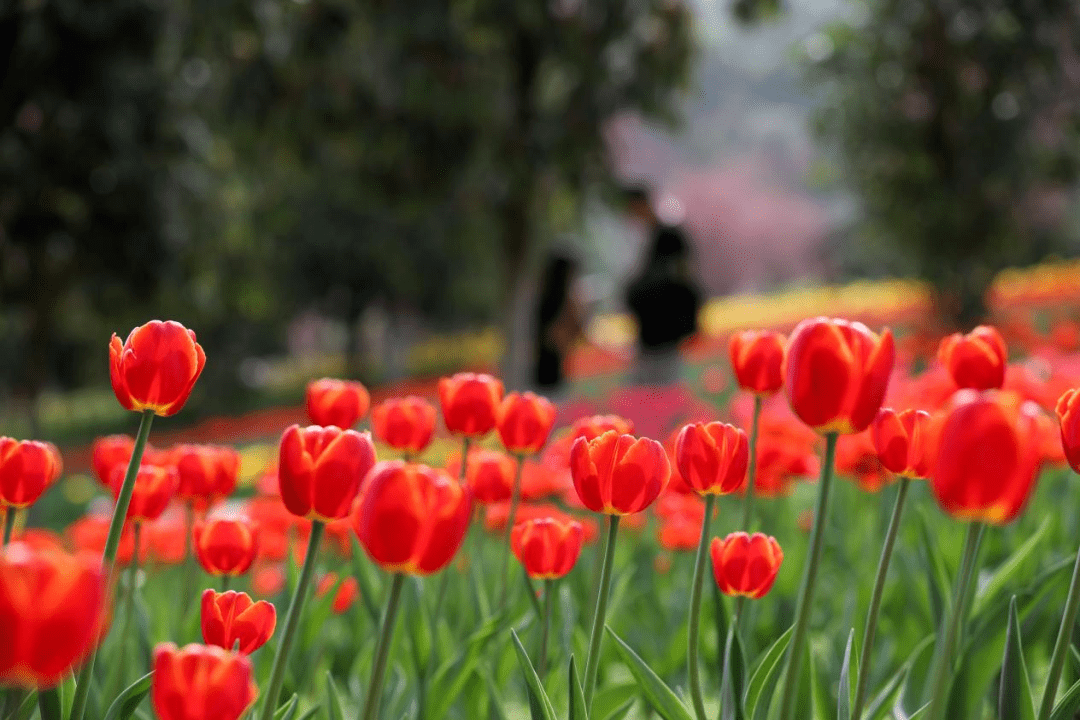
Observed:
{"x":548,"y":548}
{"x":347,"y":592}
{"x":594,"y":426}
{"x":342,"y":403}
{"x":404,"y":424}
{"x":156,"y":368}
{"x":524,"y":422}
{"x":489,"y":475}
{"x":470,"y":403}
{"x":320,"y":470}
{"x":1068,"y":412}
{"x":746,"y":564}
{"x":231,"y":617}
{"x":976,"y":360}
{"x":226,"y":546}
{"x":201,"y":682}
{"x":757,"y":358}
{"x":155,"y":486}
{"x":52,"y":610}
{"x":618,"y":474}
{"x":27,"y":469}
{"x":207,"y":472}
{"x":109,"y":451}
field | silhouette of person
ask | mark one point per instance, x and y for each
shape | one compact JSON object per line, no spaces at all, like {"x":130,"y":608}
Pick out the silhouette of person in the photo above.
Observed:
{"x":559,"y":321}
{"x":663,"y":297}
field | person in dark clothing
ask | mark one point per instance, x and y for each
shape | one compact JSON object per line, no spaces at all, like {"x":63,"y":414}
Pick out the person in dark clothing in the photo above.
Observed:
{"x":559,"y":321}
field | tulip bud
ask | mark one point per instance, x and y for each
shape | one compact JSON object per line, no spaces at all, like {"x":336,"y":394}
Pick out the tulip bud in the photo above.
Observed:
{"x":976,"y":360}
{"x":746,"y":564}
{"x":548,"y":548}
{"x":470,"y":403}
{"x":231,"y":617}
{"x":156,"y":367}
{"x":618,"y":474}
{"x":757,"y":358}
{"x":27,"y":469}
{"x":201,"y":682}
{"x":342,"y":403}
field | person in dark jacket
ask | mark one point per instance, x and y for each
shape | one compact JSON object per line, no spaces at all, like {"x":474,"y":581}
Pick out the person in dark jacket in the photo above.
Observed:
{"x":559,"y":322}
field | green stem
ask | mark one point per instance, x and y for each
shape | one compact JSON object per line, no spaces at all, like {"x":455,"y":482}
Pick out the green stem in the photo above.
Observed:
{"x":129,"y":610}
{"x":751,"y":474}
{"x":695,"y":611}
{"x":809,"y":580}
{"x":225,"y":580}
{"x":292,"y":621}
{"x":112,"y":542}
{"x":592,"y":665}
{"x":1061,"y":645}
{"x":545,"y":627}
{"x":49,"y":704}
{"x":9,"y":524}
{"x":942,"y":670}
{"x":530,"y":590}
{"x":382,"y":649}
{"x":875,"y":599}
{"x":515,"y":498}
{"x":726,"y":694}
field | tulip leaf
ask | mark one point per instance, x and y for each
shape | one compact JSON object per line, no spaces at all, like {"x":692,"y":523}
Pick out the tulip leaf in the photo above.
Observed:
{"x":937,"y":576}
{"x":288,"y":710}
{"x":333,"y":700}
{"x":664,"y":701}
{"x":124,"y":705}
{"x":732,"y":681}
{"x":622,"y":710}
{"x":847,"y":674}
{"x":360,"y":572}
{"x":1005,"y":573}
{"x":539,"y":705}
{"x":49,"y":704}
{"x":1068,"y":704}
{"x":451,"y":678}
{"x":612,"y":697}
{"x":1014,"y":697}
{"x":310,"y":713}
{"x":889,"y":691}
{"x":577,"y":711}
{"x":765,"y":673}
{"x":26,"y":707}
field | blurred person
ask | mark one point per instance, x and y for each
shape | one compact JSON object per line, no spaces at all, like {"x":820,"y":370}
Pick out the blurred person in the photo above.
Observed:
{"x":560,"y":321}
{"x":663,"y":298}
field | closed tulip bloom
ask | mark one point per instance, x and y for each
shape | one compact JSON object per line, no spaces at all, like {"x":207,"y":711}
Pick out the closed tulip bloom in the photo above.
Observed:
{"x":548,"y":547}
{"x":746,"y":564}
{"x":201,"y":682}
{"x":757,"y":358}
{"x":27,"y":469}
{"x":489,"y":475}
{"x":987,"y":456}
{"x":412,"y":518}
{"x":900,"y":439}
{"x":712,"y":457}
{"x":52,"y":608}
{"x":1068,"y":412}
{"x":320,"y":470}
{"x":594,"y":426}
{"x":837,"y":373}
{"x":618,"y":474}
{"x":155,"y":486}
{"x":156,"y":367}
{"x":108,"y":452}
{"x":470,"y":403}
{"x":207,"y":472}
{"x":976,"y":360}
{"x":337,"y":402}
{"x":226,"y":546}
{"x":404,"y":423}
{"x":231,"y":617}
{"x":524,"y":422}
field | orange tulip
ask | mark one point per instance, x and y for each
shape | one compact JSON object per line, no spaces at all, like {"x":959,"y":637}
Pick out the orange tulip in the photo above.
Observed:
{"x":52,"y":609}
{"x":27,"y":469}
{"x":901,"y":443}
{"x":746,"y":564}
{"x":757,"y":357}
{"x":712,"y":457}
{"x":342,"y":403}
{"x":347,"y":592}
{"x":201,"y":682}
{"x":207,"y":472}
{"x":411,"y":518}
{"x":548,"y":547}
{"x":320,"y":470}
{"x":837,"y":373}
{"x":226,"y":546}
{"x":1068,"y":412}
{"x":155,"y":486}
{"x":618,"y":474}
{"x":156,"y":367}
{"x":404,"y":423}
{"x":470,"y":403}
{"x":524,"y":422}
{"x":976,"y":360}
{"x":232,"y":617}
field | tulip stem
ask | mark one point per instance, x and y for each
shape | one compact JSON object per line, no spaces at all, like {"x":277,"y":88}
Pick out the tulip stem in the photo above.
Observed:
{"x":1061,"y":645}
{"x":191,"y":566}
{"x":129,"y":610}
{"x":875,"y":599}
{"x":112,"y":543}
{"x":292,"y":621}
{"x":382,"y":649}
{"x":748,"y":498}
{"x":225,"y":583}
{"x":9,"y":524}
{"x":592,"y":665}
{"x":806,"y":590}
{"x":49,"y":704}
{"x":692,"y":653}
{"x":515,"y":498}
{"x":726,"y":691}
{"x":941,"y":670}
{"x":545,"y":626}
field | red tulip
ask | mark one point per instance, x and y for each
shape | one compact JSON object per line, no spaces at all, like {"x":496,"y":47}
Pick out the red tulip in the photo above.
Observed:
{"x":901,"y":442}
{"x":156,"y":367}
{"x":27,"y":469}
{"x":226,"y":546}
{"x":108,"y":452}
{"x":596,"y":425}
{"x":489,"y":475}
{"x":165,"y":539}
{"x":231,"y":617}
{"x":712,"y":458}
{"x":52,"y":608}
{"x":976,"y":360}
{"x":548,"y":548}
{"x":524,"y":422}
{"x":207,"y":472}
{"x":155,"y":486}
{"x":1068,"y":412}
{"x":618,"y":474}
{"x":411,"y":518}
{"x":268,"y":580}
{"x":470,"y":403}
{"x":746,"y":564}
{"x":987,"y":457}
{"x":404,"y":423}
{"x":201,"y":682}
{"x":337,"y":402}
{"x":497,"y":515}
{"x":88,"y":534}
{"x":757,"y":357}
{"x":347,"y":592}
{"x":837,"y":374}
{"x":320,"y":470}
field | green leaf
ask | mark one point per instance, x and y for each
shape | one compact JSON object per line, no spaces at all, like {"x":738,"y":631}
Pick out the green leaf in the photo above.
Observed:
{"x":844,"y":699}
{"x":659,"y":695}
{"x":367,"y":590}
{"x":1014,"y":698}
{"x":288,"y":710}
{"x":613,"y":697}
{"x":764,"y":672}
{"x":539,"y":705}
{"x":1004,"y":574}
{"x":453,"y":676}
{"x":937,"y":576}
{"x":1068,"y":704}
{"x":732,"y":682}
{"x":578,"y":711}
{"x":49,"y":704}
{"x":310,"y":713}
{"x":920,"y":713}
{"x":26,"y":707}
{"x":889,"y":691}
{"x":621,"y":711}
{"x":124,"y":705}
{"x":333,"y":700}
